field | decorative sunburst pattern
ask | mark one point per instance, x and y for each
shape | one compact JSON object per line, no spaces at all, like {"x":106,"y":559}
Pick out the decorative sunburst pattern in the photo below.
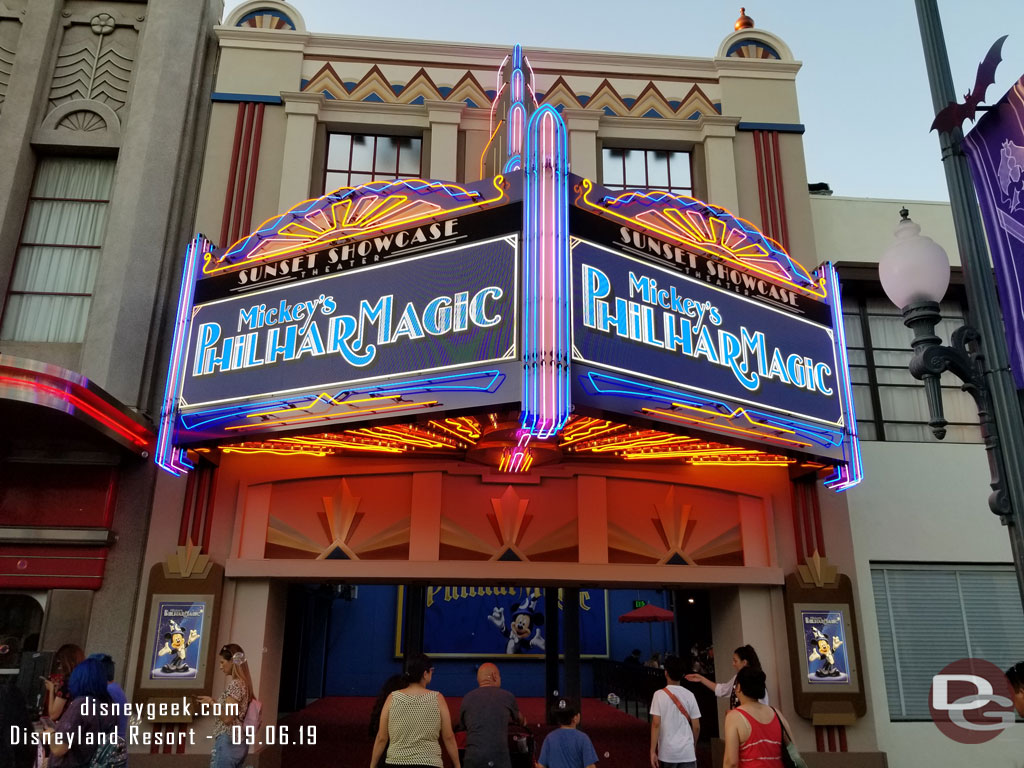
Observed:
{"x":82,"y":120}
{"x":693,"y":410}
{"x":586,"y":436}
{"x":266,"y":18}
{"x":333,"y":535}
{"x":505,"y":535}
{"x":583,"y":437}
{"x":752,"y":49}
{"x":676,"y":534}
{"x":349,"y":213}
{"x":704,"y":228}
{"x":438,"y":436}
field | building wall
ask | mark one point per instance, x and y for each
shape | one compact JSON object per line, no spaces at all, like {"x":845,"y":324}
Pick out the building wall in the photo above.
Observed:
{"x":94,"y":79}
{"x":739,"y":117}
{"x":920,"y":502}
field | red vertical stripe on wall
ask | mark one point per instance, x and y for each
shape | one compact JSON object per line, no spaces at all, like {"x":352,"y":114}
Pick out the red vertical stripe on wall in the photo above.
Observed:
{"x":842,"y":737}
{"x":229,"y":196}
{"x":110,"y":503}
{"x":769,"y":175}
{"x":243,"y":167}
{"x":807,"y":520}
{"x":819,"y":737}
{"x":250,"y":186}
{"x":211,"y":497}
{"x":831,"y":738}
{"x":762,"y":184}
{"x":816,"y":510}
{"x":798,"y":521}
{"x":197,"y":508}
{"x":780,"y":191}
{"x":186,"y":508}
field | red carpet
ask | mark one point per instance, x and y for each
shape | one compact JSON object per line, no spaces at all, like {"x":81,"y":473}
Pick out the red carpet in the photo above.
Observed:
{"x":621,"y":740}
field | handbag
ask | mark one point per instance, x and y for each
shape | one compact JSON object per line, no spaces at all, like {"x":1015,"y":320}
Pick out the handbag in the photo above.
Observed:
{"x":790,"y":754}
{"x":110,"y":755}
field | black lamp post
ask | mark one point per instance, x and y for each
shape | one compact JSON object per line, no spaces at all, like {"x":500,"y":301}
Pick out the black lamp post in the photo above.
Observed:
{"x":978,"y":355}
{"x":914,"y":271}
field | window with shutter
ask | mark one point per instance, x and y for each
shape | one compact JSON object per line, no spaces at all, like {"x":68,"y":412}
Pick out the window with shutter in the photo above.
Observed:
{"x":930,"y":616}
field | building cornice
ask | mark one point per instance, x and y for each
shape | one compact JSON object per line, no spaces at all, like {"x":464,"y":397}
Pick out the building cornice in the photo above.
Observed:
{"x":267,"y":39}
{"x":566,"y":62}
{"x":758,"y":69}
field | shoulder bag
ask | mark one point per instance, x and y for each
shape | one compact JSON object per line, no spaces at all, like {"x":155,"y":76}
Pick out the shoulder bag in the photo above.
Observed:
{"x":790,"y":754}
{"x":677,"y":702}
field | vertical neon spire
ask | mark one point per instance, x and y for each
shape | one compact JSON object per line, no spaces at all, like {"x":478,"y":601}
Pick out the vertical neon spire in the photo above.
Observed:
{"x":166,"y":456}
{"x":546,"y":342}
{"x":852,"y":472}
{"x":516,"y":113}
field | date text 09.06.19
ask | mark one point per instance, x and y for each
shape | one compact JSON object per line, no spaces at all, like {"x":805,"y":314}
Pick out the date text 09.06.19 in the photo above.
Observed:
{"x":270,"y":735}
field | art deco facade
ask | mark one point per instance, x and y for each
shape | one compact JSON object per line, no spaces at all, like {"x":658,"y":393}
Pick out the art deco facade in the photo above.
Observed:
{"x":293,"y":115}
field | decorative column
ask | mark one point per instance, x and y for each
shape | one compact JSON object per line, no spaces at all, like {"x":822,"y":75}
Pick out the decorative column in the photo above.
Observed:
{"x":720,"y":155}
{"x":582,"y":125}
{"x":301,"y":110}
{"x":571,"y":625}
{"x":551,"y":688}
{"x":444,"y":118}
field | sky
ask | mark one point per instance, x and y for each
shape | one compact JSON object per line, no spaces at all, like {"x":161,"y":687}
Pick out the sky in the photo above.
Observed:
{"x":863,"y":89}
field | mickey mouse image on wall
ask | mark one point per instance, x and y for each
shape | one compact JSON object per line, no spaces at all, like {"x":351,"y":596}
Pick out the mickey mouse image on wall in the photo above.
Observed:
{"x":824,"y":648}
{"x":177,"y":646}
{"x":524,"y":633}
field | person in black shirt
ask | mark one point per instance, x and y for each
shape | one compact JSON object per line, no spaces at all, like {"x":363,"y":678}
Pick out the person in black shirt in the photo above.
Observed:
{"x":485,"y":715}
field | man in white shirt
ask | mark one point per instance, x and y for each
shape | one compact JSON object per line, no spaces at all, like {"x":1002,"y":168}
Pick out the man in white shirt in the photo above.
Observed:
{"x":675,"y":721}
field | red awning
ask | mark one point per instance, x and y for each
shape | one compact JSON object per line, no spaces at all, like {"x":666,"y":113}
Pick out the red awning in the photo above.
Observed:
{"x":646,"y":614}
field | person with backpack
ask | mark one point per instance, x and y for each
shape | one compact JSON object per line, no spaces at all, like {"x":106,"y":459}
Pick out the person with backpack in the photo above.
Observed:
{"x":237,"y":692}
{"x":87,"y":687}
{"x":675,"y":721}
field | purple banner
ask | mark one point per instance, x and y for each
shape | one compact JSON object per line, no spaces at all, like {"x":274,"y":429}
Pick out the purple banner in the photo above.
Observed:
{"x":995,"y":149}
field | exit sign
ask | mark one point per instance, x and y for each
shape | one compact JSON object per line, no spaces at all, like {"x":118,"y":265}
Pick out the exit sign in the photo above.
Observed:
{"x":639,"y":603}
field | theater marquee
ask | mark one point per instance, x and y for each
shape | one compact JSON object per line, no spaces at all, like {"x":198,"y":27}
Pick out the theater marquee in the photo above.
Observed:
{"x":535,"y":293}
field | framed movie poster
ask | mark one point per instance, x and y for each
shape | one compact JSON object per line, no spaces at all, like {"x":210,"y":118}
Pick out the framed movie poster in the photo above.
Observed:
{"x":825,"y":642}
{"x":827,"y":658}
{"x":490,"y":622}
{"x":176,"y":646}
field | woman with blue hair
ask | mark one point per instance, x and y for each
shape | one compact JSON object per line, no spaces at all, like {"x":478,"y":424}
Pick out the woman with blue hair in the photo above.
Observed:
{"x":88,"y":688}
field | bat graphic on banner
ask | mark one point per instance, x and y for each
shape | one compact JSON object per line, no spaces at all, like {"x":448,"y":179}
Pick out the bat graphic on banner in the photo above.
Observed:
{"x":954,"y":115}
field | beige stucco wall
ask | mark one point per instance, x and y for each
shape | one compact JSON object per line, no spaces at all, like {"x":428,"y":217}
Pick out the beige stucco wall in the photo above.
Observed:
{"x":923,"y":502}
{"x":853,"y":229}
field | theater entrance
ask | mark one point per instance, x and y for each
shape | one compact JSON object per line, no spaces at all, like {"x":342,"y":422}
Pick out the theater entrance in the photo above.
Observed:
{"x":344,"y":643}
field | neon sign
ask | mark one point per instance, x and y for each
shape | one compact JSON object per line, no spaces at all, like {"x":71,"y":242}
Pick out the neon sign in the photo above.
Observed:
{"x":546,"y":341}
{"x":397,"y":297}
{"x":634,"y":317}
{"x":354,"y":326}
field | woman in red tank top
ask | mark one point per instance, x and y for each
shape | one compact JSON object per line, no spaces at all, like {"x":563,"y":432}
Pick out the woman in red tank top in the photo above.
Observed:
{"x":753,"y":732}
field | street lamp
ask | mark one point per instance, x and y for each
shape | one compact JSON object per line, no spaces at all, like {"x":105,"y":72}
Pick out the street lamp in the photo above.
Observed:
{"x":914,"y":271}
{"x":989,"y":380}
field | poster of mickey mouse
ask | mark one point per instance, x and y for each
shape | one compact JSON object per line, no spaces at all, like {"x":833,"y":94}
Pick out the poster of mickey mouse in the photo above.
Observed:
{"x":523,"y":632}
{"x":825,"y":642}
{"x":176,"y":646}
{"x":464,"y":621}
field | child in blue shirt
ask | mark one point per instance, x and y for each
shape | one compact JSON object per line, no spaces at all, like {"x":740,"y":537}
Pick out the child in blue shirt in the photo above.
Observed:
{"x":567,"y":747}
